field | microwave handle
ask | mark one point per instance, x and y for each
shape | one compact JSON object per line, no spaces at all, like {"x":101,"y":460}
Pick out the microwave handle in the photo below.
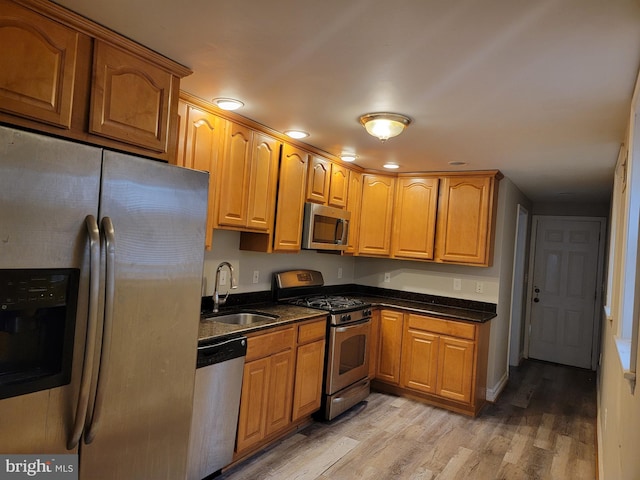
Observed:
{"x":345,"y":231}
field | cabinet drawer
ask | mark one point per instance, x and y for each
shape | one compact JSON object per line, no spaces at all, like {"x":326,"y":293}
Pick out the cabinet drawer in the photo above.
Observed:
{"x":310,"y":332}
{"x":269,"y":343}
{"x":444,"y":327}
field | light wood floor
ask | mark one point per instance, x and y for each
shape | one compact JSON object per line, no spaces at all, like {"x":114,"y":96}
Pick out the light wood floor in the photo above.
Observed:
{"x":542,"y":427}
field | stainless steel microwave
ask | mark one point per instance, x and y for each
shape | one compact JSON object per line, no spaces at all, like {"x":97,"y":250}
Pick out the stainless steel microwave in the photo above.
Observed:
{"x":325,"y":228}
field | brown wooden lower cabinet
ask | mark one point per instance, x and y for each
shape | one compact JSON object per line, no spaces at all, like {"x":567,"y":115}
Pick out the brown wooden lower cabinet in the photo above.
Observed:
{"x":282,"y":383}
{"x":443,"y":362}
{"x":308,"y":382}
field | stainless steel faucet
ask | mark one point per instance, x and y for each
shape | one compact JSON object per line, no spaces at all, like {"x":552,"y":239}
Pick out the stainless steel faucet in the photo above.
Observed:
{"x":217,"y":301}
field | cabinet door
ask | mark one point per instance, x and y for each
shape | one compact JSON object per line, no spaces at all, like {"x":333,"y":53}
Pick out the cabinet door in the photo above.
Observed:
{"x":233,"y":184}
{"x":339,"y":186}
{"x":280,"y":391}
{"x":130,"y":98}
{"x":353,"y":205}
{"x":463,"y":230}
{"x":200,"y":145}
{"x":414,"y":222}
{"x":455,"y":369}
{"x":390,"y":346}
{"x":37,"y":66}
{"x":253,"y":403}
{"x":376,"y":215}
{"x":375,"y":341}
{"x":318,"y":179}
{"x":419,"y":360}
{"x":291,"y":195}
{"x":308,"y":382}
{"x":261,"y":202}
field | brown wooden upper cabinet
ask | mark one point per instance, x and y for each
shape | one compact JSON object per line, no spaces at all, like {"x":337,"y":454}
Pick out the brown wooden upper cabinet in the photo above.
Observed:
{"x":248,"y":179}
{"x":354,"y":199}
{"x":65,"y":75}
{"x":466,"y":218}
{"x":199,"y":148}
{"x":327,"y":182}
{"x":414,"y":220}
{"x":38,"y":63}
{"x":130,"y":98}
{"x":339,"y":186}
{"x":376,"y":211}
{"x":318,"y":179}
{"x":291,"y":196}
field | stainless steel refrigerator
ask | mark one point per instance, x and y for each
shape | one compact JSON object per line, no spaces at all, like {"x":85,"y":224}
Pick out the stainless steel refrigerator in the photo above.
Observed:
{"x":113,"y":243}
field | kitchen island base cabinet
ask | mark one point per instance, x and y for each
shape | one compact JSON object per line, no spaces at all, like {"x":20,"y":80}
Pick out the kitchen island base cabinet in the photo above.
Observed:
{"x":442,"y":362}
{"x":282,"y":383}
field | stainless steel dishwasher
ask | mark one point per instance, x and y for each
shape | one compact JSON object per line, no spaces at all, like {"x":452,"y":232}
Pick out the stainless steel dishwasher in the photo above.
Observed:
{"x":216,"y":403}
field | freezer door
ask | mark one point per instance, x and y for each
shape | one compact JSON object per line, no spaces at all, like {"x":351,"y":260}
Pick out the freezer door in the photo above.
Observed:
{"x":47,"y":188}
{"x":156,"y":214}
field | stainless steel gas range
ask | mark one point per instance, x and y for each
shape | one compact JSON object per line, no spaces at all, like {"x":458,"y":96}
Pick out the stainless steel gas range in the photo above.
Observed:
{"x":346,"y":380}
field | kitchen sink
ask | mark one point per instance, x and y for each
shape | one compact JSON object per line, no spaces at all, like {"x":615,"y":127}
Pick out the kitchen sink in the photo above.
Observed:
{"x":241,"y":318}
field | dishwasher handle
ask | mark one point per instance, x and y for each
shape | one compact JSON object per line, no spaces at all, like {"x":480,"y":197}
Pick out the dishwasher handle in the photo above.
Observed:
{"x":221,"y":351}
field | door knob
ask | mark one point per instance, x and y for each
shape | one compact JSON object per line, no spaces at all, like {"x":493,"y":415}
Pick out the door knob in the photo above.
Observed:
{"x":537,"y":291}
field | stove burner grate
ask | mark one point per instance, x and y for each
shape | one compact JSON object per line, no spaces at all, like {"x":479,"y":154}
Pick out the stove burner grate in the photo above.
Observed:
{"x":328,"y":302}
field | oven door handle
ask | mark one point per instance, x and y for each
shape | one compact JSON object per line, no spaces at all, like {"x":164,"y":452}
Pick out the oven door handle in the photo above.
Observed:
{"x":346,"y":328}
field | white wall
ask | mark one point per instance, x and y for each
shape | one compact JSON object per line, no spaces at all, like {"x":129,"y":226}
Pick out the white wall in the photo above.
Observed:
{"x":225,"y":248}
{"x":618,"y":405}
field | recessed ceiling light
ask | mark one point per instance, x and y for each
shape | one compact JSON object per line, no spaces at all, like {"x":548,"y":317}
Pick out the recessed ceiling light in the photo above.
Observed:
{"x":391,"y":166}
{"x":228,"y":103}
{"x":348,"y":157}
{"x":457,"y":163}
{"x":296,"y":133}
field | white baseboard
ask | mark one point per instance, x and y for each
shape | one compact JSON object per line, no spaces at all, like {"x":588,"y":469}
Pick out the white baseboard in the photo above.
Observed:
{"x":494,"y":392}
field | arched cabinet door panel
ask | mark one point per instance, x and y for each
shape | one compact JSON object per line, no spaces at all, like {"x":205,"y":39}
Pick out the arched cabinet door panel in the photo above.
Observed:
{"x":37,"y":66}
{"x":130,"y":98}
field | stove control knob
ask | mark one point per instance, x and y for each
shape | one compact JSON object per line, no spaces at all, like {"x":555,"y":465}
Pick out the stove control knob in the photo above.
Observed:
{"x":344,"y":318}
{"x":349,"y":317}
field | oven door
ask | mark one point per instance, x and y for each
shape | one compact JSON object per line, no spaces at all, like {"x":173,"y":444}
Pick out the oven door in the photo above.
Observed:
{"x":348,"y":355}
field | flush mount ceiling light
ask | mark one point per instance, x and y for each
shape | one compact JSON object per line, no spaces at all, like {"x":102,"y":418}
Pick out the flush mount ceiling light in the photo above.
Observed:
{"x":228,"y":103}
{"x":391,"y":166}
{"x":296,"y":133}
{"x":384,"y":125}
{"x":348,"y":157}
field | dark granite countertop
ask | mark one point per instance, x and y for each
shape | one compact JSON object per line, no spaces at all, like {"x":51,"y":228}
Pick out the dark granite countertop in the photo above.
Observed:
{"x":210,"y":329}
{"x":443,"y":311}
{"x":422,"y":304}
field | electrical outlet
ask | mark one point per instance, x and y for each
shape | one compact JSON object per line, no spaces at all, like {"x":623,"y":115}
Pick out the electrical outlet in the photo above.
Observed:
{"x":256,"y":276}
{"x":339,"y":272}
{"x":223,"y":277}
{"x":387,"y":277}
{"x":479,"y":287}
{"x":457,"y":284}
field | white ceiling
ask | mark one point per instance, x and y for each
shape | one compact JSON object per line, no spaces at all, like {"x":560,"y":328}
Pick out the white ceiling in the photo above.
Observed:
{"x":538,"y":89}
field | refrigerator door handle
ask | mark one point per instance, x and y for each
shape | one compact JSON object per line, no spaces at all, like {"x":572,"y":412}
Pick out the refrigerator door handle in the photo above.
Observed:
{"x":110,"y":285}
{"x":92,"y":322}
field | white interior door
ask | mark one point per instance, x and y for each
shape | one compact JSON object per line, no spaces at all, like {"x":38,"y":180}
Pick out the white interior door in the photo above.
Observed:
{"x":564,"y":290}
